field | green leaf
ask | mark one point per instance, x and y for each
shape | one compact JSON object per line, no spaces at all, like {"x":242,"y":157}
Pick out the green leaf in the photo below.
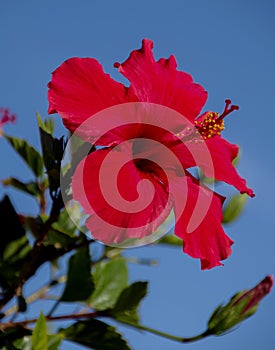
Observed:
{"x":11,"y":227}
{"x":52,"y":150}
{"x":17,"y":250}
{"x":171,"y":240}
{"x":79,"y":284}
{"x":30,"y":187}
{"x":21,"y":303}
{"x":128,"y":302}
{"x":9,"y":346}
{"x":54,"y":340}
{"x":110,"y":279}
{"x":59,"y":239}
{"x":12,"y":335}
{"x":14,"y":246}
{"x":39,"y":337}
{"x":96,"y":335}
{"x":234,"y":208}
{"x":24,"y":343}
{"x":28,"y":153}
{"x":65,"y":224}
{"x":47,"y":125}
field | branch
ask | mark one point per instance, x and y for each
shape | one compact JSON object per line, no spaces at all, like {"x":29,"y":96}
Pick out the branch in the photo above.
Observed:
{"x":7,"y":325}
{"x":76,"y":316}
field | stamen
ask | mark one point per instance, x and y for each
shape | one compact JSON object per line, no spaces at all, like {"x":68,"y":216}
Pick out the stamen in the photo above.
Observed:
{"x":116,"y":65}
{"x":210,"y":125}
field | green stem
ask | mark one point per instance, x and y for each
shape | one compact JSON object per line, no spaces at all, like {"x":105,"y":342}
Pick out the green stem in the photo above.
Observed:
{"x":167,"y":335}
{"x":95,"y":314}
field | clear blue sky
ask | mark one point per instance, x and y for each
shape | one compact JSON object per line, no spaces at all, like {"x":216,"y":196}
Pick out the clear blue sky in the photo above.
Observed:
{"x":229,"y":48}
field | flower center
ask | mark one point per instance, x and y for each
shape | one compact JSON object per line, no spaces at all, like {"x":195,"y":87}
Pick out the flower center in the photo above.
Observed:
{"x":212,"y":123}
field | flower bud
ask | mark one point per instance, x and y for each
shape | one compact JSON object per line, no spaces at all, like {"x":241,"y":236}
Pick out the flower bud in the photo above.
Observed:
{"x":241,"y":306}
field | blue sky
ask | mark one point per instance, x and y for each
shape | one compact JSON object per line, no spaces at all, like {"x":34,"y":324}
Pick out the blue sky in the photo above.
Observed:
{"x":228,"y":47}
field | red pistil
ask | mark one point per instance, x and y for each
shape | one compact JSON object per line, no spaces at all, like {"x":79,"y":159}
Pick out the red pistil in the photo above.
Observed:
{"x":227,"y":109}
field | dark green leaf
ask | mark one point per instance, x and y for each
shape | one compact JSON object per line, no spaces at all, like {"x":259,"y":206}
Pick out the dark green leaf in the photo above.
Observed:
{"x":234,"y":208}
{"x":128,"y":302}
{"x":17,"y":250}
{"x":39,"y":337}
{"x":11,"y":262}
{"x":14,"y":245}
{"x":79,"y":284}
{"x":21,"y":303}
{"x":110,"y":279}
{"x":30,"y":187}
{"x":11,"y":227}
{"x":52,"y":150}
{"x":28,"y":153}
{"x":9,"y":346}
{"x":59,"y":239}
{"x":35,"y":225}
{"x":95,"y":335}
{"x":12,"y":334}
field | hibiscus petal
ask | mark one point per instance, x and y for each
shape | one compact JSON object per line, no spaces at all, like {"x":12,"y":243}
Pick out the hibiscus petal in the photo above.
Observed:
{"x":207,"y":241}
{"x":132,"y":217}
{"x":223,"y":153}
{"x":79,"y":88}
{"x":160,"y":82}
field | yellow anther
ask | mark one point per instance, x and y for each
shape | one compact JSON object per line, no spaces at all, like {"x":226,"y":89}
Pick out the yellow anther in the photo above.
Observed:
{"x":209,"y":126}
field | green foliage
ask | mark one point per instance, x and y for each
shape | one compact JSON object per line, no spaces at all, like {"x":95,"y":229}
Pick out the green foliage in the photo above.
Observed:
{"x":28,"y":153}
{"x":14,"y":247}
{"x":30,"y":187}
{"x":39,"y":337}
{"x":64,"y":224}
{"x":234,"y":208}
{"x":171,"y":240}
{"x":11,"y":335}
{"x":52,"y":150}
{"x":79,"y":284}
{"x":110,"y":278}
{"x":59,"y":239}
{"x":127,"y":304}
{"x":95,"y":335}
{"x":54,"y":340}
{"x":47,"y":125}
{"x":39,"y":340}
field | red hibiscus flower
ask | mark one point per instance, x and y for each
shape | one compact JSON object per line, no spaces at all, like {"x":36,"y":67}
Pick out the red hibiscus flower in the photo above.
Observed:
{"x":159,"y":108}
{"x":5,"y":117}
